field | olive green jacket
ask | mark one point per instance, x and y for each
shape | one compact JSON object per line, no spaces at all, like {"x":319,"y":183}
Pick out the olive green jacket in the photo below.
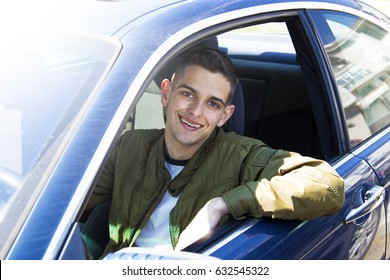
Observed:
{"x":254,"y":180}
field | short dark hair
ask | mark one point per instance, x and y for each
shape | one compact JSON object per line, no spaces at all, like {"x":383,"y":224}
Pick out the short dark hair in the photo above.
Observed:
{"x":214,"y":61}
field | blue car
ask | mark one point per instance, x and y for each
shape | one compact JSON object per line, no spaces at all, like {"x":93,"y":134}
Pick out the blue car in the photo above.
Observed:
{"x":75,"y":74}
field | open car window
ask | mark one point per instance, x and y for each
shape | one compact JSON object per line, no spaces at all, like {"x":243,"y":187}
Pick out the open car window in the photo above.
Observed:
{"x":264,"y":55}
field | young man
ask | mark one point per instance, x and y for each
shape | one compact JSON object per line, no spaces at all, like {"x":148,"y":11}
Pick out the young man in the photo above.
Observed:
{"x":170,"y":187}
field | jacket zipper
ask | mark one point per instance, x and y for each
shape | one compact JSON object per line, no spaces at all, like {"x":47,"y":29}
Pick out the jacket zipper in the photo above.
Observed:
{"x":141,"y":218}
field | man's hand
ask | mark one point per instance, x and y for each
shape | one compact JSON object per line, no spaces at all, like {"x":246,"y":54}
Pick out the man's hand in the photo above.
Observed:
{"x":207,"y":219}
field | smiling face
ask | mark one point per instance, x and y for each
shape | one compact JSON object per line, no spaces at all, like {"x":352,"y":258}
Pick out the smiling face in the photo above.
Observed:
{"x":196,"y":103}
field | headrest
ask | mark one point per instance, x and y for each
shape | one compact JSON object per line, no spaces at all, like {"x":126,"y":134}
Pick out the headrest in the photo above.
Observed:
{"x":236,"y":122}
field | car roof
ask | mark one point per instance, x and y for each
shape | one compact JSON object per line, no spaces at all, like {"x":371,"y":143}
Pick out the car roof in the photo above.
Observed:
{"x":107,"y":17}
{"x":100,"y":17}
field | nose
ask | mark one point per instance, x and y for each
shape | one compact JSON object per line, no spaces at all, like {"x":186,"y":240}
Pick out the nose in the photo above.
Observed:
{"x":196,"y":108}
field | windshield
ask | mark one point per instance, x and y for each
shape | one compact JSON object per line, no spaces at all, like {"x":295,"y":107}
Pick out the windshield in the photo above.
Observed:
{"x":47,"y":79}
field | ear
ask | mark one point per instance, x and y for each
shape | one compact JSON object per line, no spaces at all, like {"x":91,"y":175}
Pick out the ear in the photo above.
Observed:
{"x":228,"y":112}
{"x":165,"y":91}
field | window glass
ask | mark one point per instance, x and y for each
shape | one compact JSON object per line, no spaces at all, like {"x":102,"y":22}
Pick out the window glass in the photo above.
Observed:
{"x":260,"y":40}
{"x":46,"y":79}
{"x":359,"y":52}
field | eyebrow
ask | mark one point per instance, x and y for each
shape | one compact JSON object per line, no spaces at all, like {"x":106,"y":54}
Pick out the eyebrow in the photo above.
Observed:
{"x":214,"y":98}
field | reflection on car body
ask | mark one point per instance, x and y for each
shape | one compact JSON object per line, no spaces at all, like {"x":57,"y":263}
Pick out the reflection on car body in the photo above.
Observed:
{"x":363,"y":80}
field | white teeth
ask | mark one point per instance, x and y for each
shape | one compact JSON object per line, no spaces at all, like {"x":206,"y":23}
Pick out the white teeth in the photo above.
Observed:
{"x":190,"y":124}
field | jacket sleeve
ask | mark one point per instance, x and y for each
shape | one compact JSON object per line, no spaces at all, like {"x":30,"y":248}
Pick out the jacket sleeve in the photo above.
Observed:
{"x":285,"y":185}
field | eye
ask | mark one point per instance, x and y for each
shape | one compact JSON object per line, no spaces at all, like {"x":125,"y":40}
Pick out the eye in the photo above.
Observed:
{"x":187,"y":94}
{"x":214,"y":104}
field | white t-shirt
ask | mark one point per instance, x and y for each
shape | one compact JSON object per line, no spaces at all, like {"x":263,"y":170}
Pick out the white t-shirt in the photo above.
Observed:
{"x":156,"y":233}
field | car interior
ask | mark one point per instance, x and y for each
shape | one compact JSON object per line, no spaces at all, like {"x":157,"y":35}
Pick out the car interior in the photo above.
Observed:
{"x":272,"y":97}
{"x":275,"y":99}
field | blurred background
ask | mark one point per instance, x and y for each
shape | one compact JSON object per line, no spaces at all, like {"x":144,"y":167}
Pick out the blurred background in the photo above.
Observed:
{"x":381,"y":5}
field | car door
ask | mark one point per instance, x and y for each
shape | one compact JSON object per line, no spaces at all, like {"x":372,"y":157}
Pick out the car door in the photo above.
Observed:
{"x":359,"y":54}
{"x":358,"y":231}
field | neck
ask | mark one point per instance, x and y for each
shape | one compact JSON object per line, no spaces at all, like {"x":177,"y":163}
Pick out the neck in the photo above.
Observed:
{"x":172,"y":161}
{"x":179,"y":151}
{"x":180,"y":154}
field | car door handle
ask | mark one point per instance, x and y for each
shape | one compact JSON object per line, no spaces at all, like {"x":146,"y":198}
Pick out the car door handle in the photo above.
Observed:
{"x":372,"y":198}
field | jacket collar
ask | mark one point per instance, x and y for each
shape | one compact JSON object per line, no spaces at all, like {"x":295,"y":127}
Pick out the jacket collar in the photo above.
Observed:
{"x":192,"y":165}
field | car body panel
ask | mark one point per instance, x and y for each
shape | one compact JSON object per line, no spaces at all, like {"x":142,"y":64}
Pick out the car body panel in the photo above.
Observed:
{"x":322,"y":238}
